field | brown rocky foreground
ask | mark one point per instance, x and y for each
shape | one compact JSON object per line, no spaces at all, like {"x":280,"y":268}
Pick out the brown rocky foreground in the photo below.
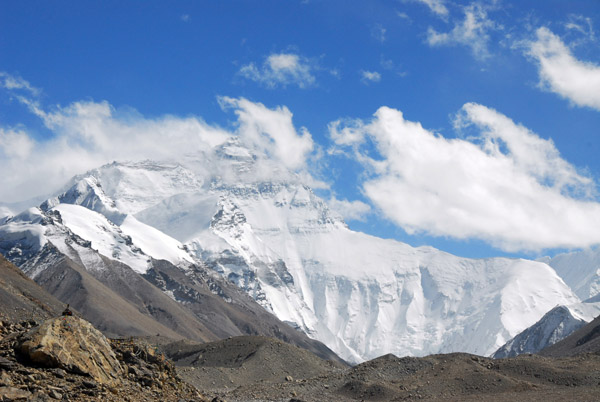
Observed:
{"x":66,"y":359}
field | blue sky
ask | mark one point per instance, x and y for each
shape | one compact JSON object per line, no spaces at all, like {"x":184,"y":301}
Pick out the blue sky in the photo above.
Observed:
{"x":485,"y":140}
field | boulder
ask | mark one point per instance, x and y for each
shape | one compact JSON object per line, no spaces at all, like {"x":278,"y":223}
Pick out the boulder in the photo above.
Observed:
{"x":72,"y":344}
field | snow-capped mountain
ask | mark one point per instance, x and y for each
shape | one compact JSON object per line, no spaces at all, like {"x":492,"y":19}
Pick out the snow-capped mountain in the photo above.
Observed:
{"x":125,"y":288}
{"x":362,"y":296}
{"x":554,"y":326}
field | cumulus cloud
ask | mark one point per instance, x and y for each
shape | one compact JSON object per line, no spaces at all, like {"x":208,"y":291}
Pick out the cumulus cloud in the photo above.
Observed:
{"x":370,"y":76}
{"x":504,"y":184}
{"x":272,"y":131}
{"x":87,"y":134}
{"x":281,"y":69}
{"x":560,"y":72}
{"x":350,"y":210}
{"x":472,"y":31}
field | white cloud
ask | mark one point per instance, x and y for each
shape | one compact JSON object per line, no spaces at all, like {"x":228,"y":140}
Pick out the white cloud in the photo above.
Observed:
{"x":472,"y":31}
{"x":370,"y":76}
{"x":272,"y":131}
{"x":436,"y":6}
{"x":185,"y":17}
{"x":349,"y":210}
{"x":15,"y":144}
{"x":87,"y":134}
{"x":281,"y":69}
{"x":506,"y":185}
{"x":563,"y":74}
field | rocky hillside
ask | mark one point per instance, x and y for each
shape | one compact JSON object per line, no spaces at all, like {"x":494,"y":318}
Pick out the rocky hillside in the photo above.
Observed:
{"x":244,"y":361}
{"x":254,"y":370}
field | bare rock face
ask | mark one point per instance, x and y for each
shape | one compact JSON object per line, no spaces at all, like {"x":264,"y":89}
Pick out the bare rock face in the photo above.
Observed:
{"x":73,"y":344}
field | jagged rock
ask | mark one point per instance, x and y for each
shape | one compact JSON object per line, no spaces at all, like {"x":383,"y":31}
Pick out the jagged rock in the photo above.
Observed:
{"x":14,"y":394}
{"x":6,"y":364}
{"x":73,"y":344}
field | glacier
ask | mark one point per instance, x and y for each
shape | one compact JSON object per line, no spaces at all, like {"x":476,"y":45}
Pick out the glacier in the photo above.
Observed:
{"x":277,"y":240}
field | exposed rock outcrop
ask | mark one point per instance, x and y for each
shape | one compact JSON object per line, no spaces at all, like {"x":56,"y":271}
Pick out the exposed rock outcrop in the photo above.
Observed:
{"x":146,"y":375}
{"x":72,"y":344}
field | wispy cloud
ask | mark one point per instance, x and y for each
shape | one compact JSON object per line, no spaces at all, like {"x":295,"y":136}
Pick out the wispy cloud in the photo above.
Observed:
{"x":505,"y":184}
{"x":404,"y":16}
{"x":472,"y":31}
{"x":370,"y":76}
{"x":12,"y":82}
{"x":560,"y":72}
{"x":436,"y":6}
{"x":582,"y":25}
{"x":388,"y":64}
{"x":378,"y":33}
{"x":185,"y":17}
{"x":281,"y":69}
{"x":350,"y":210}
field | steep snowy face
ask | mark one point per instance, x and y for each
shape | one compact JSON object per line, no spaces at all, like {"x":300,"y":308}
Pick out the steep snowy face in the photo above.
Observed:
{"x":580,"y":270}
{"x":365,"y":296}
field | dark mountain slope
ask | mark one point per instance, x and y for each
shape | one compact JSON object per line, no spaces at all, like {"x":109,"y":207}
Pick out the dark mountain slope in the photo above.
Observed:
{"x":118,"y":302}
{"x":584,"y":340}
{"x":23,"y":299}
